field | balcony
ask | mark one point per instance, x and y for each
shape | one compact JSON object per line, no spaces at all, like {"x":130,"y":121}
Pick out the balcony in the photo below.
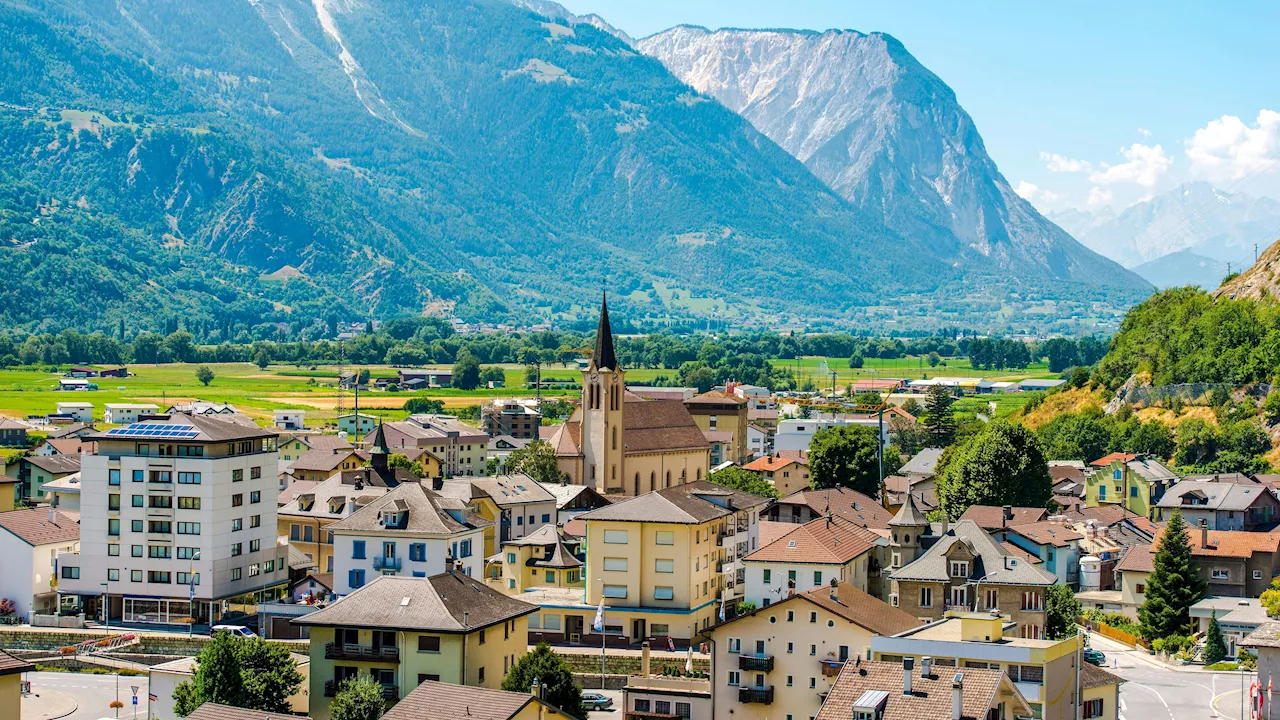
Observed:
{"x":386,"y":563}
{"x":389,"y":692}
{"x":831,"y":668}
{"x":727,"y":540}
{"x":366,"y":653}
{"x":760,"y":695}
{"x":755,"y":663}
{"x":159,"y":486}
{"x":159,"y":535}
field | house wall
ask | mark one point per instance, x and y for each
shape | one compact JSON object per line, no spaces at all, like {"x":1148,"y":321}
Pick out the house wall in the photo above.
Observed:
{"x":69,"y":501}
{"x":1110,"y":697}
{"x":775,"y":590}
{"x":320,"y":548}
{"x":1009,"y":602}
{"x":518,"y":576}
{"x":438,"y":548}
{"x":11,"y":695}
{"x":18,"y":581}
{"x":728,"y":418}
{"x":1129,"y":584}
{"x":1268,"y":665}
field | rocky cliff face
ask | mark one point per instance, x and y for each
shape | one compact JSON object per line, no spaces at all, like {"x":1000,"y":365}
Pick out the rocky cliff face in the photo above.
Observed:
{"x":1260,"y":282}
{"x":874,"y":124}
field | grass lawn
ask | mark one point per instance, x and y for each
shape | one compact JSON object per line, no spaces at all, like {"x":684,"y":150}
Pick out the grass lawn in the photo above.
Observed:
{"x":914,"y":368}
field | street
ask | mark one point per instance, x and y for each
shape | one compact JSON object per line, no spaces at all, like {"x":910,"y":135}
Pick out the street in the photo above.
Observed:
{"x":1154,"y":692}
{"x":92,"y":696}
{"x":612,"y":713}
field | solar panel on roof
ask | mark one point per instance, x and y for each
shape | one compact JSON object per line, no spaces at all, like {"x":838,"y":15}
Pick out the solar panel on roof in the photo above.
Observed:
{"x":155,"y":430}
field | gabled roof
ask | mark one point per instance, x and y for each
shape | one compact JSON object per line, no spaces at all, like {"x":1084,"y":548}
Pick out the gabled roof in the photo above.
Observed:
{"x":1047,"y":533}
{"x":566,"y":494}
{"x":444,"y":701}
{"x":504,"y":490}
{"x":10,"y":665}
{"x":1138,"y":558}
{"x":1214,"y":495}
{"x":449,"y":602}
{"x":773,"y":463}
{"x":843,"y":501}
{"x":992,"y":562}
{"x":991,"y":517}
{"x":70,"y":445}
{"x":323,"y":460}
{"x":197,"y":428}
{"x":689,"y":504}
{"x":930,"y":697}
{"x":55,"y":464}
{"x":830,"y":541}
{"x":1228,"y":543}
{"x":34,"y":527}
{"x":1106,"y":460}
{"x":924,"y":462}
{"x":323,"y":493}
{"x":715,"y":397}
{"x":867,"y":611}
{"x":214,"y":711}
{"x":1092,"y":676}
{"x":429,"y":514}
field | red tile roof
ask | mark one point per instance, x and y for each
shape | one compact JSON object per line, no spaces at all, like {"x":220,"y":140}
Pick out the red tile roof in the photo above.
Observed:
{"x":835,"y":540}
{"x":1047,"y":533}
{"x":772,"y":464}
{"x":930,"y":697}
{"x":1106,"y":460}
{"x":34,"y":527}
{"x":991,"y":517}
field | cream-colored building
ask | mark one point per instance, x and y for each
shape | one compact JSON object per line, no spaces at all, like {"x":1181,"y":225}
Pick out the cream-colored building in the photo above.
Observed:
{"x":542,"y":559}
{"x":907,"y":690}
{"x":305,"y":519}
{"x":718,"y":412}
{"x":811,"y":556}
{"x":11,"y":669}
{"x":783,"y":658}
{"x":405,"y":631}
{"x":620,"y":443}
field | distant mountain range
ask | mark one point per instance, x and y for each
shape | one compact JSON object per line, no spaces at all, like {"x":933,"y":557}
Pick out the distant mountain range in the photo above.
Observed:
{"x":1183,"y":268}
{"x":275,"y":164}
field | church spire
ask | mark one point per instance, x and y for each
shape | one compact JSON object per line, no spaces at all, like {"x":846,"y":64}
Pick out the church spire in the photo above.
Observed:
{"x":603,"y":356}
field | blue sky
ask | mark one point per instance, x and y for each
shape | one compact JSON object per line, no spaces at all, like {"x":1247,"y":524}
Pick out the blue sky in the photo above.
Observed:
{"x":1079,"y":80}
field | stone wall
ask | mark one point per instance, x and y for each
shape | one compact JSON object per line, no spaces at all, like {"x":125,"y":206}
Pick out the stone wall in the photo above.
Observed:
{"x":148,"y":644}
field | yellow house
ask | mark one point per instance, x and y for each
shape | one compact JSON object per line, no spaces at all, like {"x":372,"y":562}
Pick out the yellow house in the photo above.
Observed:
{"x":1100,"y":692}
{"x":9,"y":489}
{"x":320,"y":465}
{"x":661,"y":562}
{"x":11,"y":669}
{"x":787,"y":655}
{"x":1136,"y":481}
{"x":433,"y":699}
{"x":406,"y":631}
{"x":716,"y":411}
{"x":542,"y":559}
{"x":788,"y":474}
{"x":305,"y":518}
{"x":292,"y":449}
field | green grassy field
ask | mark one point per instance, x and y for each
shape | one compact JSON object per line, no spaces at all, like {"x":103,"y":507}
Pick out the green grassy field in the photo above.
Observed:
{"x":914,"y":368}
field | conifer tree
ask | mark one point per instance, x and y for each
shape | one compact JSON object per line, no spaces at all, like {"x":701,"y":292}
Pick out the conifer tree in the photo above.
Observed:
{"x":1215,"y":649}
{"x":1174,"y":585}
{"x":938,"y":417}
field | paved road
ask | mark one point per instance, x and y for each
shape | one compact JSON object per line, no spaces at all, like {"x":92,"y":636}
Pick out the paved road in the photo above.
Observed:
{"x":613,"y":713}
{"x":1154,"y":692}
{"x":94,"y":693}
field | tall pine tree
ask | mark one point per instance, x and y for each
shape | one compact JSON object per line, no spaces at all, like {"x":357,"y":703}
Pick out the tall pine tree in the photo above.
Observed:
{"x":938,"y":418}
{"x":1174,"y":586}
{"x":1215,"y":649}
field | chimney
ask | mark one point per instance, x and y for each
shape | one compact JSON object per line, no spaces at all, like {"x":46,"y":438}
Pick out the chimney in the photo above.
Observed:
{"x":448,"y":563}
{"x":466,"y":619}
{"x":1006,"y":516}
{"x":835,"y":585}
{"x":908,"y":664}
{"x":437,"y":484}
{"x":53,"y":516}
{"x":1204,"y":533}
{"x":644,"y":659}
{"x":957,"y":696}
{"x":926,"y":667}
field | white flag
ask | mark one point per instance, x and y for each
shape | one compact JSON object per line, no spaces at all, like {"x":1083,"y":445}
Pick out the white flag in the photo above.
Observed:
{"x":688,"y":661}
{"x":599,"y":623}
{"x":722,"y":608}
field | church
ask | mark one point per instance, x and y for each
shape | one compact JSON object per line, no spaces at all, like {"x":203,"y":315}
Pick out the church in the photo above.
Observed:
{"x":620,"y":443}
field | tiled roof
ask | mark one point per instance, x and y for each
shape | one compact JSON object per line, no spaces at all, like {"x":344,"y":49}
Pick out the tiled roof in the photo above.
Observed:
{"x":34,"y":528}
{"x":504,"y":490}
{"x":850,"y":503}
{"x":1138,"y":558}
{"x":11,"y":424}
{"x":1092,"y":676}
{"x":1106,"y":460}
{"x":10,"y":665}
{"x":658,"y":425}
{"x":1019,"y":553}
{"x":990,"y":563}
{"x":296,"y":488}
{"x":834,"y":540}
{"x":443,"y":701}
{"x":930,"y":697}
{"x":718,"y":436}
{"x":771,"y":530}
{"x":56,"y":464}
{"x":909,"y":515}
{"x":428,"y":514}
{"x":326,"y":442}
{"x":1267,"y":635}
{"x":864,"y":610}
{"x":447,"y":603}
{"x":772,"y":463}
{"x":214,"y":711}
{"x":1213,"y":495}
{"x":924,"y":462}
{"x":71,"y":445}
{"x":991,"y":517}
{"x":321,"y":495}
{"x":1228,"y":543}
{"x":322,"y":460}
{"x":1047,"y":533}
{"x":1102,"y":515}
{"x":70,"y":429}
{"x":683,"y":504}
{"x":715,"y":397}
{"x":66,"y":483}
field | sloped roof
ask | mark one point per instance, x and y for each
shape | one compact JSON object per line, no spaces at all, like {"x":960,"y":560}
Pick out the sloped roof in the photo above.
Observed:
{"x":602,"y":354}
{"x":449,"y":602}
{"x":843,"y":501}
{"x":989,"y":564}
{"x":773,"y":463}
{"x":33,"y":527}
{"x":322,"y":460}
{"x":715,"y":397}
{"x":658,"y":425}
{"x":1266,"y":635}
{"x":1138,"y":558}
{"x":835,"y":540}
{"x":10,"y":665}
{"x":214,"y":711}
{"x":991,"y":517}
{"x":1092,"y":676}
{"x":924,"y":462}
{"x":1106,"y":460}
{"x":909,"y":515}
{"x":678,"y":504}
{"x":321,"y":494}
{"x":56,"y":464}
{"x":504,"y":490}
{"x":1228,"y":543}
{"x":444,"y":701}
{"x":864,"y":610}
{"x":428,"y":514}
{"x":930,"y":697}
{"x":1047,"y":533}
{"x":1217,"y":495}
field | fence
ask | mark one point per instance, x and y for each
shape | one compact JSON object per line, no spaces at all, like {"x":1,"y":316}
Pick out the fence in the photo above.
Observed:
{"x":1113,"y":633}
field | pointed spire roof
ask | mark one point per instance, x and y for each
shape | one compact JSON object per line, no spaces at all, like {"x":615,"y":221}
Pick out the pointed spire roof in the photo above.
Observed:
{"x":378,"y":443}
{"x":909,"y":515}
{"x":603,"y":356}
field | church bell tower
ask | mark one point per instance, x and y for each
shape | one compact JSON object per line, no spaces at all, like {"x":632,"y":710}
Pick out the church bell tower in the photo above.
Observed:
{"x":602,"y":401}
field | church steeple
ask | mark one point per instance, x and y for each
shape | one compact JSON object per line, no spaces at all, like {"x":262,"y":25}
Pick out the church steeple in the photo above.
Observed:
{"x":602,"y":356}
{"x":378,"y":451}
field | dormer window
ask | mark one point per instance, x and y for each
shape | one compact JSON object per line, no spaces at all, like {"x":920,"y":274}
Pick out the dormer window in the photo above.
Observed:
{"x":959,"y":569}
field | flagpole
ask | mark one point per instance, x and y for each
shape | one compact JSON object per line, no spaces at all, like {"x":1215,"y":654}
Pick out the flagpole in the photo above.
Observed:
{"x":603,"y":633}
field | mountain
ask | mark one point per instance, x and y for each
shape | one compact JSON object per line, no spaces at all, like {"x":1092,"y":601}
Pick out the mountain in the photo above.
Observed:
{"x":888,"y":135}
{"x":1260,"y":282}
{"x":1193,"y":216}
{"x":1183,"y":268}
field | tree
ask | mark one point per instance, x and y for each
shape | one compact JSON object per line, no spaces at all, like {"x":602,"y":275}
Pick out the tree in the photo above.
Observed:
{"x":1076,"y":436}
{"x":248,"y":673}
{"x":396,"y":460}
{"x":856,"y":361}
{"x":424,"y":406}
{"x":493,"y":374}
{"x":845,"y":456}
{"x":537,"y":460}
{"x":1152,"y":438}
{"x":359,"y":698}
{"x":744,"y":480}
{"x":1197,"y":442}
{"x":1173,"y":586}
{"x":913,"y":407}
{"x":204,"y":374}
{"x":934,"y":359}
{"x":1271,"y":407}
{"x":531,"y":375}
{"x":1003,"y":464}
{"x":1061,"y":611}
{"x":262,"y":359}
{"x":938,"y":417}
{"x":550,"y":670}
{"x":270,"y":676}
{"x":1215,"y":648}
{"x":466,"y":371}
{"x":910,"y":437}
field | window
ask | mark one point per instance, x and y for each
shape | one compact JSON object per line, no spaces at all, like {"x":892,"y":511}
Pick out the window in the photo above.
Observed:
{"x":959,"y":569}
{"x":817,"y":577}
{"x":428,"y":677}
{"x":295,"y":533}
{"x":188,"y":528}
{"x":615,"y":564}
{"x":163,"y":502}
{"x":255,"y":473}
{"x":1102,"y":491}
{"x":615,"y":591}
{"x":664,"y":565}
{"x":428,"y":643}
{"x":813,"y":617}
{"x":1141,"y":588}
{"x":546,"y":517}
{"x":926,"y":597}
{"x":813,"y":683}
{"x":993,"y":599}
{"x":186,"y":578}
{"x":270,"y":565}
{"x":1257,"y":574}
{"x":135,"y":551}
{"x":188,"y":478}
{"x":237,"y":500}
{"x":1221,"y":574}
{"x":355,"y":578}
{"x":662,"y":707}
{"x":113,"y":502}
{"x":113,"y":526}
{"x":237,"y":549}
{"x":418,"y":552}
{"x":482,"y":637}
{"x":138,"y":476}
{"x":187,"y":553}
{"x":768,"y":577}
{"x":161,"y":577}
{"x":551,"y":576}
{"x":113,"y":550}
{"x":193,"y":451}
{"x":684,"y":710}
{"x":236,"y":574}
{"x":735,"y":678}
{"x":113,"y":574}
{"x":1093,"y":708}
{"x":255,"y":545}
{"x":791,"y":648}
{"x":655,"y":630}
{"x":1133,"y":491}
{"x":254,"y":570}
{"x":70,"y":573}
{"x":255,"y":521}
{"x":237,"y":475}
{"x":791,"y":616}
{"x":135,"y":576}
{"x":161,"y":476}
{"x":189,"y":503}
{"x":735,"y":645}
{"x":813,"y":650}
{"x":616,"y":537}
{"x":113,"y":477}
{"x":255,"y":496}
{"x":135,"y":525}
{"x":641,"y":705}
{"x":159,"y":551}
{"x":663,"y":593}
{"x":1032,"y":601}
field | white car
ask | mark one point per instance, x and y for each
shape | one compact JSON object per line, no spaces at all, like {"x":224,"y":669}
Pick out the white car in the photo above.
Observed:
{"x":240,"y":630}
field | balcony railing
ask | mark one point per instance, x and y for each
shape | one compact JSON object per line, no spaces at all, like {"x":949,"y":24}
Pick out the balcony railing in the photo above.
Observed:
{"x":386,"y":563}
{"x":389,"y":692}
{"x":831,"y":668}
{"x":763,"y":696}
{"x":755,"y":663}
{"x":346,"y":651}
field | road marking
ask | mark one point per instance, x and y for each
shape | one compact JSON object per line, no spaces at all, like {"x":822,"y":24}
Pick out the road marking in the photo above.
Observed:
{"x":1158,"y":696}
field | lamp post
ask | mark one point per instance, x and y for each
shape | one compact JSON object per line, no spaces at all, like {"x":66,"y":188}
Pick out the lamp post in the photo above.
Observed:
{"x":106,"y":617}
{"x":191,"y":591}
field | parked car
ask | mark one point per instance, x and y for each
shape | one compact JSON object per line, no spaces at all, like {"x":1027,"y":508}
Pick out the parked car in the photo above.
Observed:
{"x":1095,"y":657}
{"x":596,"y":701}
{"x":240,"y":630}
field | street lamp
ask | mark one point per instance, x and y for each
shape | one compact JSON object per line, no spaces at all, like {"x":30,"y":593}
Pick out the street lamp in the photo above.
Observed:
{"x":191,"y":591}
{"x":604,"y":633}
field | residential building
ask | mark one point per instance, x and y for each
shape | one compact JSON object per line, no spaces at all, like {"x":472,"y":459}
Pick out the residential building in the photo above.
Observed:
{"x":517,"y":418}
{"x":12,"y":433}
{"x":789,"y":475}
{"x":1135,"y":566}
{"x":356,"y":424}
{"x":896,"y":487}
{"x":30,"y":541}
{"x":1135,"y":482}
{"x":514,"y":505}
{"x":410,"y":530}
{"x":721,"y":443}
{"x":785,"y":657}
{"x":757,"y":397}
{"x":178,"y":515}
{"x":541,"y":559}
{"x":796,"y":434}
{"x":70,"y":430}
{"x":76,"y":411}
{"x":1237,"y":618}
{"x":573,"y":500}
{"x":996,"y":520}
{"x":64,"y":446}
{"x":289,"y":419}
{"x":620,"y":443}
{"x":11,"y":669}
{"x":406,"y":631}
{"x":501,"y":446}
{"x":1043,"y":671}
{"x":323,"y":463}
{"x":1056,"y":545}
{"x":866,"y":690}
{"x":806,"y":505}
{"x":461,"y":448}
{"x":425,"y":378}
{"x":811,"y":556}
{"x":646,"y":695}
{"x":766,"y":419}
{"x":164,"y":678}
{"x":33,"y":471}
{"x":1222,"y":505}
{"x":720,"y":412}
{"x":63,"y":493}
{"x":10,"y":492}
{"x":665,"y":560}
{"x":125,"y":413}
{"x":923,"y":464}
{"x":963,"y":567}
{"x":759,"y":440}
{"x":292,"y":447}
{"x":1233,"y":563}
{"x":443,"y":701}
{"x":1265,"y":642}
{"x":649,"y":392}
{"x":203,"y":407}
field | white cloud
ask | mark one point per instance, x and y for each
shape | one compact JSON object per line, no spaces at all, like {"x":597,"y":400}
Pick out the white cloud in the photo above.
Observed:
{"x":1144,"y":167}
{"x":1144,"y":132}
{"x":1036,"y":194}
{"x":1099,"y":198}
{"x":1059,"y":163}
{"x":1228,"y":149}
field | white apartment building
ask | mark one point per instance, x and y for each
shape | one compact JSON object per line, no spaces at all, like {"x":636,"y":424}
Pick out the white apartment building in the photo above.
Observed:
{"x":125,"y":413}
{"x":410,"y":531}
{"x":77,"y":411}
{"x":795,"y":434}
{"x":289,"y":419}
{"x":178,"y":514}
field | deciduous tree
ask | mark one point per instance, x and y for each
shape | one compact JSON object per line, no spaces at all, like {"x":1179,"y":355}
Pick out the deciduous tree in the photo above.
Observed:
{"x":1002,"y":465}
{"x":550,"y":670}
{"x":744,"y":480}
{"x":359,"y":698}
{"x":845,"y":456}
